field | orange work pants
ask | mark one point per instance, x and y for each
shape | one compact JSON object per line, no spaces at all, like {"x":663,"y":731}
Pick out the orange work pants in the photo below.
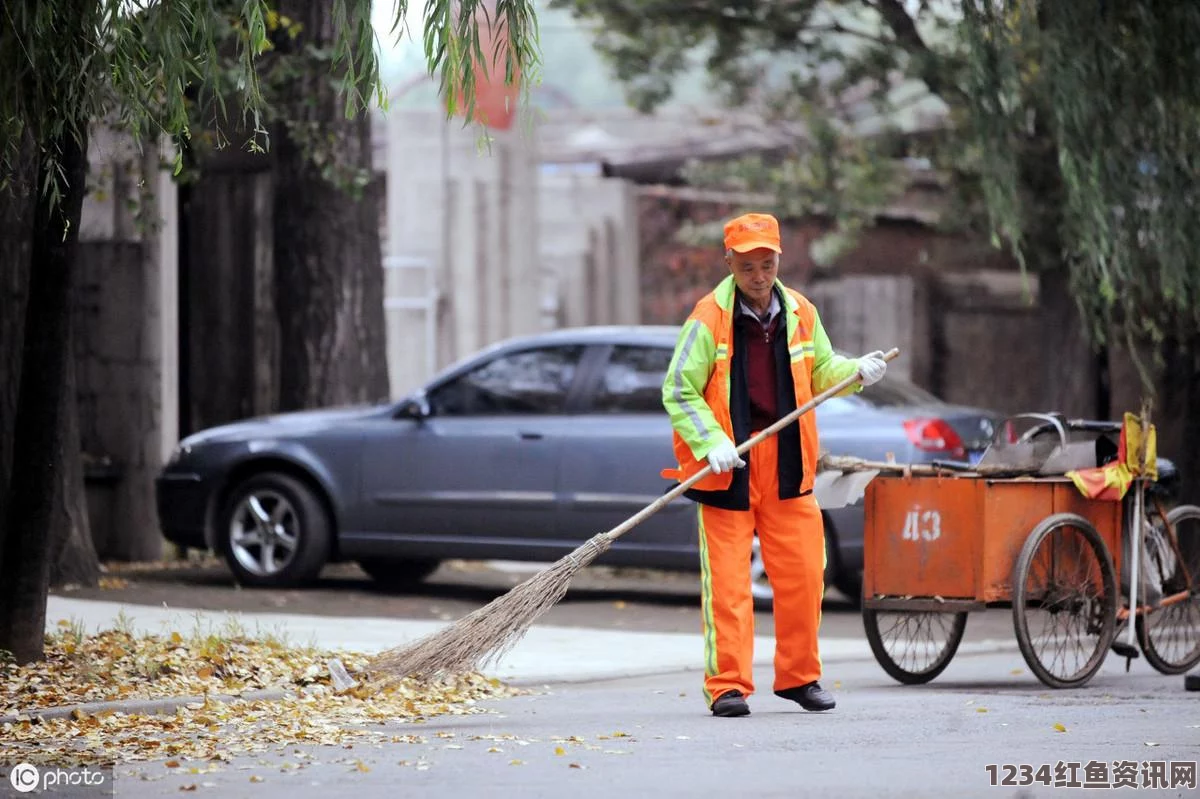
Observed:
{"x":792,"y":536}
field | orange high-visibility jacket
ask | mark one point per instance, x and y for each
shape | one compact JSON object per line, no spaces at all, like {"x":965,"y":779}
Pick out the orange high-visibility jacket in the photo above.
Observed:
{"x":702,"y":398}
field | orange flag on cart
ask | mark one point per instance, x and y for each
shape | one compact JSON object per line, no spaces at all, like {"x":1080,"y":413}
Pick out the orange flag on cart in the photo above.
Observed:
{"x":1112,"y":480}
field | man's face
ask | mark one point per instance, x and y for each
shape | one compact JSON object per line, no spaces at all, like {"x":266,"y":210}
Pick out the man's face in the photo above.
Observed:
{"x":754,"y":272}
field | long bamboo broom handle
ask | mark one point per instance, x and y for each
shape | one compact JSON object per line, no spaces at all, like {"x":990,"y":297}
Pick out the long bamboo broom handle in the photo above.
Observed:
{"x":658,"y":504}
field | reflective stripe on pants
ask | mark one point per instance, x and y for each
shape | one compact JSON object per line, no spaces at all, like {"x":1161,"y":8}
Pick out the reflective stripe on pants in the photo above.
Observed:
{"x":792,"y":537}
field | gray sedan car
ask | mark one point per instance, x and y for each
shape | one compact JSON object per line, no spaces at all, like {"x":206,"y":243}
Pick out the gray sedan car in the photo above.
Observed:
{"x":521,"y":452}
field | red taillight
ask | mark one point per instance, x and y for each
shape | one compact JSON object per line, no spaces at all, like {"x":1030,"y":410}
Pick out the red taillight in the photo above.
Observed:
{"x":934,"y":435}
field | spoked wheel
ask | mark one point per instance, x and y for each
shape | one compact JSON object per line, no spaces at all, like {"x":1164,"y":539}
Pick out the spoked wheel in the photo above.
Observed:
{"x":913,"y":647}
{"x":1064,"y":600}
{"x":1170,"y":633}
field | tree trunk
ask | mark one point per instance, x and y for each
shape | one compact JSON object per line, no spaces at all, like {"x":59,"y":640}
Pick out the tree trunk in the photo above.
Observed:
{"x":16,"y":247}
{"x":1072,"y":380}
{"x":1070,"y":375}
{"x":1175,"y":414}
{"x":73,"y":558}
{"x":328,"y":263}
{"x":38,"y":445}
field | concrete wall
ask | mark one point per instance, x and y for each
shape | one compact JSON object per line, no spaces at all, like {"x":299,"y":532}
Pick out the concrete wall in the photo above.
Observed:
{"x":461,"y":236}
{"x":125,"y":339}
{"x":985,"y":323}
{"x":480,"y":244}
{"x":862,"y":314}
{"x":955,"y":332}
{"x":588,"y":246}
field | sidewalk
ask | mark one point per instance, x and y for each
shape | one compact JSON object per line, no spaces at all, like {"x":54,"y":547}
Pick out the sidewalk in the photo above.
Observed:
{"x":546,"y":654}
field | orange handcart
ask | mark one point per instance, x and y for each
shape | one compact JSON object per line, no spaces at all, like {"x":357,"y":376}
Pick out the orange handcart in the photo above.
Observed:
{"x":940,"y":545}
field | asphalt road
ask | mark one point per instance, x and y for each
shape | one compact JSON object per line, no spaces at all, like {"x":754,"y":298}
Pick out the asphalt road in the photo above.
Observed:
{"x":653,"y":737}
{"x":600,"y":598}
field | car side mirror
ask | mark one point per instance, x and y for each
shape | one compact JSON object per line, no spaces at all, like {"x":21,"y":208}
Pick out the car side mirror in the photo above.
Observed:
{"x":415,"y":408}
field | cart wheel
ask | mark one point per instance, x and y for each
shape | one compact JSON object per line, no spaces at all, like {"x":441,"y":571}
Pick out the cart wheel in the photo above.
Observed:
{"x":1170,"y":634}
{"x":1064,"y":600}
{"x":913,"y":646}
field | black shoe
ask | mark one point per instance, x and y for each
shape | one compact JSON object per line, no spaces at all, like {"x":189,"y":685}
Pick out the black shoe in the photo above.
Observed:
{"x":809,"y":697}
{"x":1192,"y":682}
{"x":730,"y":703}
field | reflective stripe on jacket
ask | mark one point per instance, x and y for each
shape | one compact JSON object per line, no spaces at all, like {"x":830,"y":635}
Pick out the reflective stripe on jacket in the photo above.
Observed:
{"x":703,"y":399}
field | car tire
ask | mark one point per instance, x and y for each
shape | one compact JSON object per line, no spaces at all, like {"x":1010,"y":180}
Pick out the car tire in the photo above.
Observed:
{"x":847,"y":582}
{"x":290,"y":516}
{"x":850,"y":584}
{"x":832,"y":558}
{"x":398,"y":574}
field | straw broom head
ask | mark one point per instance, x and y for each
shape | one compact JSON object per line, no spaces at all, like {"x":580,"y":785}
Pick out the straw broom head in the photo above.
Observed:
{"x":485,"y":634}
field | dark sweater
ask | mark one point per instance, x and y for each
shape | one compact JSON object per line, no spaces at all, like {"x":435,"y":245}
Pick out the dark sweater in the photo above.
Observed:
{"x":760,"y":368}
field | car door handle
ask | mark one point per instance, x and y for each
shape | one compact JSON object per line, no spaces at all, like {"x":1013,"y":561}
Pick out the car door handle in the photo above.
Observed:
{"x":529,"y":435}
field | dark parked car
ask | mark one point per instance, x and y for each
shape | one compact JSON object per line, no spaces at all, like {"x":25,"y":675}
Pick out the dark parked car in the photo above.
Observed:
{"x":521,"y":452}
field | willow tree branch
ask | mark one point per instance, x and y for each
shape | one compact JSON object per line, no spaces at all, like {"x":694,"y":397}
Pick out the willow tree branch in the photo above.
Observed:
{"x":929,"y":69}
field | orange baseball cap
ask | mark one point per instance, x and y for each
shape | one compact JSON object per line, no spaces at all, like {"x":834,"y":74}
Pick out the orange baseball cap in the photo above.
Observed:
{"x":752,"y":231}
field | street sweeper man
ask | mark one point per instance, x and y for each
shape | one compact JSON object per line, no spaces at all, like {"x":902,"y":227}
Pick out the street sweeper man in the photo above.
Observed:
{"x":752,"y":351}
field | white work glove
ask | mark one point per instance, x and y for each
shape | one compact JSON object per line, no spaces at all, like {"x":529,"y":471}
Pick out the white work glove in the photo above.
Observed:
{"x":724,"y":456}
{"x":872,"y":367}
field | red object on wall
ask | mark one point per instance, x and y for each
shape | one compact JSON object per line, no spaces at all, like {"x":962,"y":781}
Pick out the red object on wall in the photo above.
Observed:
{"x":495,"y":101}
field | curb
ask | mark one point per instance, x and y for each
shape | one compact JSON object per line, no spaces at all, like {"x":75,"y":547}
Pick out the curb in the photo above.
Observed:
{"x":165,"y":705}
{"x":143,"y":707}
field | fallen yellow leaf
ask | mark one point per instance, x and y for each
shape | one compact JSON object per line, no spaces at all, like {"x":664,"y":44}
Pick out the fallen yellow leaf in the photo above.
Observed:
{"x":361,"y":766}
{"x":619,"y":604}
{"x":516,"y":762}
{"x":117,"y":664}
{"x":1060,"y":727}
{"x":255,"y":778}
{"x":981,"y":710}
{"x":558,"y":750}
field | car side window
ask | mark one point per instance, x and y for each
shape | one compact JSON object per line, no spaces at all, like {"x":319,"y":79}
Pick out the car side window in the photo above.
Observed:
{"x":632,"y":380}
{"x":528,"y":382}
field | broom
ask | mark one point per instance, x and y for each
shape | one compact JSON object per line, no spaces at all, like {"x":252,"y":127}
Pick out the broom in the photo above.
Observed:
{"x":485,"y":634}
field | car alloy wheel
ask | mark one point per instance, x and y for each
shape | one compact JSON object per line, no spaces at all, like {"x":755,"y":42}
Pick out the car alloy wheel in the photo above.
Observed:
{"x":264,"y":532}
{"x":276,"y":531}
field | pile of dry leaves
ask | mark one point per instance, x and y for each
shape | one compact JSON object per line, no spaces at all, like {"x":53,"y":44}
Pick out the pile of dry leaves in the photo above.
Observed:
{"x":117,"y":665}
